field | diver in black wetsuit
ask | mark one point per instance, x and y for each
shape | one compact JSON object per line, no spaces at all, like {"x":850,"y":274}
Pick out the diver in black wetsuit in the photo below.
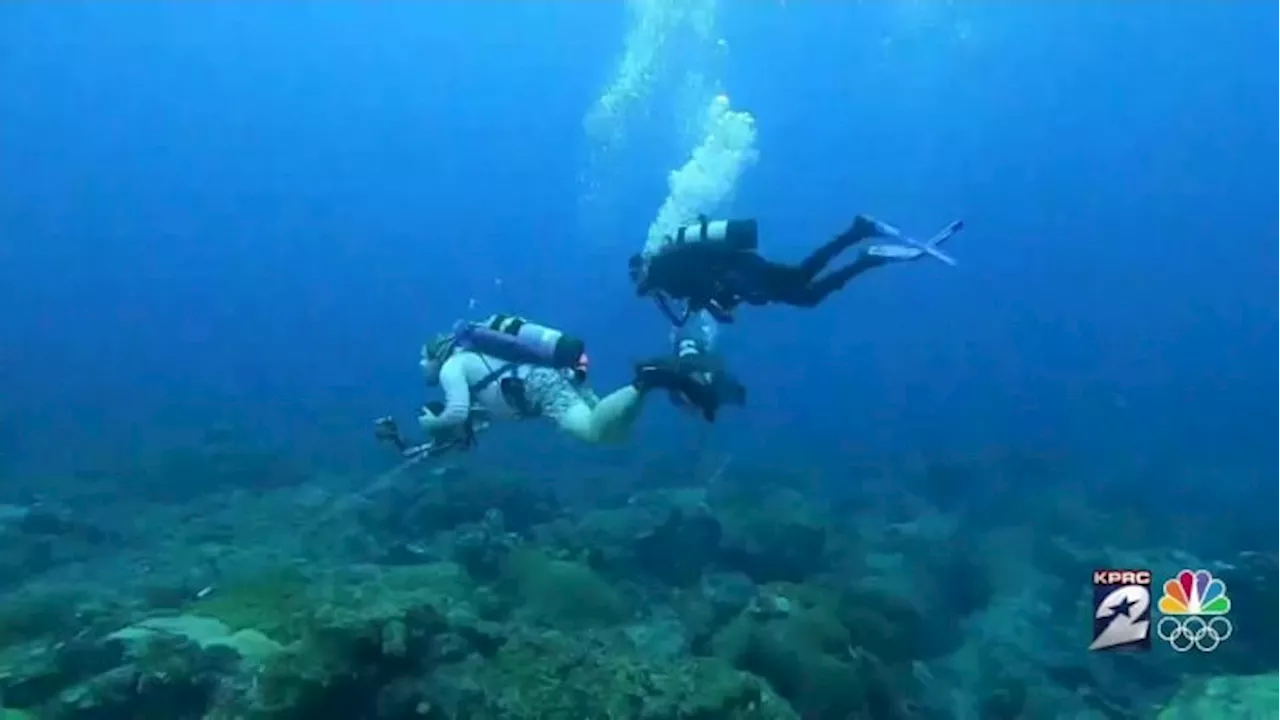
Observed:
{"x":720,"y":268}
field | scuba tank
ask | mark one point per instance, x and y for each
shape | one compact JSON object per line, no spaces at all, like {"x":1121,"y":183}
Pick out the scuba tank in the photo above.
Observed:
{"x":697,"y":335}
{"x":696,"y":340}
{"x":516,"y":340}
{"x":738,"y":235}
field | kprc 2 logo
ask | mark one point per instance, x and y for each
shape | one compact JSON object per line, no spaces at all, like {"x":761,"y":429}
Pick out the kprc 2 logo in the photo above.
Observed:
{"x":1194,"y":605}
{"x":1121,"y":609}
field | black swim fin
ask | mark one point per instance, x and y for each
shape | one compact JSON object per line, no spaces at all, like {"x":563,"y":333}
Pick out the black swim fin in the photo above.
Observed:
{"x":679,"y":375}
{"x":728,"y":390}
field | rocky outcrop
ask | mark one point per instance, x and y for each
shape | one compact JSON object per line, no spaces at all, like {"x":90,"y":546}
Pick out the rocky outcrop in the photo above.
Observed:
{"x":406,"y":642}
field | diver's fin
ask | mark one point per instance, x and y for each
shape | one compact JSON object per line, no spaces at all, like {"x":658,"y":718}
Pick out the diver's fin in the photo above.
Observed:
{"x":930,"y":246}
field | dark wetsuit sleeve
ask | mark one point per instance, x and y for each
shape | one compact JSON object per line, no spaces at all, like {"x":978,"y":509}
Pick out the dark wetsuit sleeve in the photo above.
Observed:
{"x":719,"y":312}
{"x":664,"y":305}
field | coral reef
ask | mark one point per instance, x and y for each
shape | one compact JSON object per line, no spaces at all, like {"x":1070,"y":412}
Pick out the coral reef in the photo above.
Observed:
{"x":1255,"y":697}
{"x":451,"y":595}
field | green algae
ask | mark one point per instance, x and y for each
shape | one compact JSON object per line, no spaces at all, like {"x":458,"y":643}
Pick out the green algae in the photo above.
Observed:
{"x":276,"y":603}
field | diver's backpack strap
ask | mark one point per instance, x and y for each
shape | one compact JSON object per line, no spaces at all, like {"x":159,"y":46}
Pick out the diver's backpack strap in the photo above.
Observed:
{"x":681,"y":235}
{"x":510,"y":386}
{"x":494,"y":376}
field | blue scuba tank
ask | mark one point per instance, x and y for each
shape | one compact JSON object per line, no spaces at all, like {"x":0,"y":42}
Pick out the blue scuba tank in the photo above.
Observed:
{"x":516,"y":340}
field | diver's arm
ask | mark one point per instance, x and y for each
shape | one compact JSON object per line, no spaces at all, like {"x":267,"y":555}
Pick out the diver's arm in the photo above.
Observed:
{"x":664,"y":305}
{"x":718,"y":311}
{"x":457,"y":398}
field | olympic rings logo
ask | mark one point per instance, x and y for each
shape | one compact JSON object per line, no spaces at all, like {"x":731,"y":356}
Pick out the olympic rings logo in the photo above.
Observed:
{"x":1194,"y":632}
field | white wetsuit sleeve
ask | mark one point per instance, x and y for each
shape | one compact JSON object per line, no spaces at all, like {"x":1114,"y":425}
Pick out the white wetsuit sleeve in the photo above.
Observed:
{"x":457,"y":397}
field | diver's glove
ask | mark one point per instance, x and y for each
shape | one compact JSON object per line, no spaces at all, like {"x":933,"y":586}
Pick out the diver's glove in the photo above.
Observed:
{"x":462,"y":436}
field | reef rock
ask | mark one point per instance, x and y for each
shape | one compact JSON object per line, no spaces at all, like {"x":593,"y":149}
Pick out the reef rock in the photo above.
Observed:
{"x":421,"y":506}
{"x":772,"y":537}
{"x":797,"y":641}
{"x":554,"y":676}
{"x":1253,"y":697}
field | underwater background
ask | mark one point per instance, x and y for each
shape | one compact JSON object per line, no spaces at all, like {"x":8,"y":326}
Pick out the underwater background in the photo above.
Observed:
{"x":232,"y":225}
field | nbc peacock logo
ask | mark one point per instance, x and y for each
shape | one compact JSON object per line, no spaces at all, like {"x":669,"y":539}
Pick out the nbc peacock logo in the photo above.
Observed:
{"x":1195,"y":607}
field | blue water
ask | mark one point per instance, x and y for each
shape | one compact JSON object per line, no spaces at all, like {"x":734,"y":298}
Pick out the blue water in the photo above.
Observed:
{"x":252,"y":214}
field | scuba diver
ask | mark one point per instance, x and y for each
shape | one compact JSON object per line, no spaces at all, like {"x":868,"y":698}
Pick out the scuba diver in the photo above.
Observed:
{"x":715,"y":266}
{"x":698,"y":339}
{"x":508,"y":368}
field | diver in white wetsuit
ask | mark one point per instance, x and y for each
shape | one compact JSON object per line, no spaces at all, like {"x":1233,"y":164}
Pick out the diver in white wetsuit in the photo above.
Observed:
{"x":509,"y":368}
